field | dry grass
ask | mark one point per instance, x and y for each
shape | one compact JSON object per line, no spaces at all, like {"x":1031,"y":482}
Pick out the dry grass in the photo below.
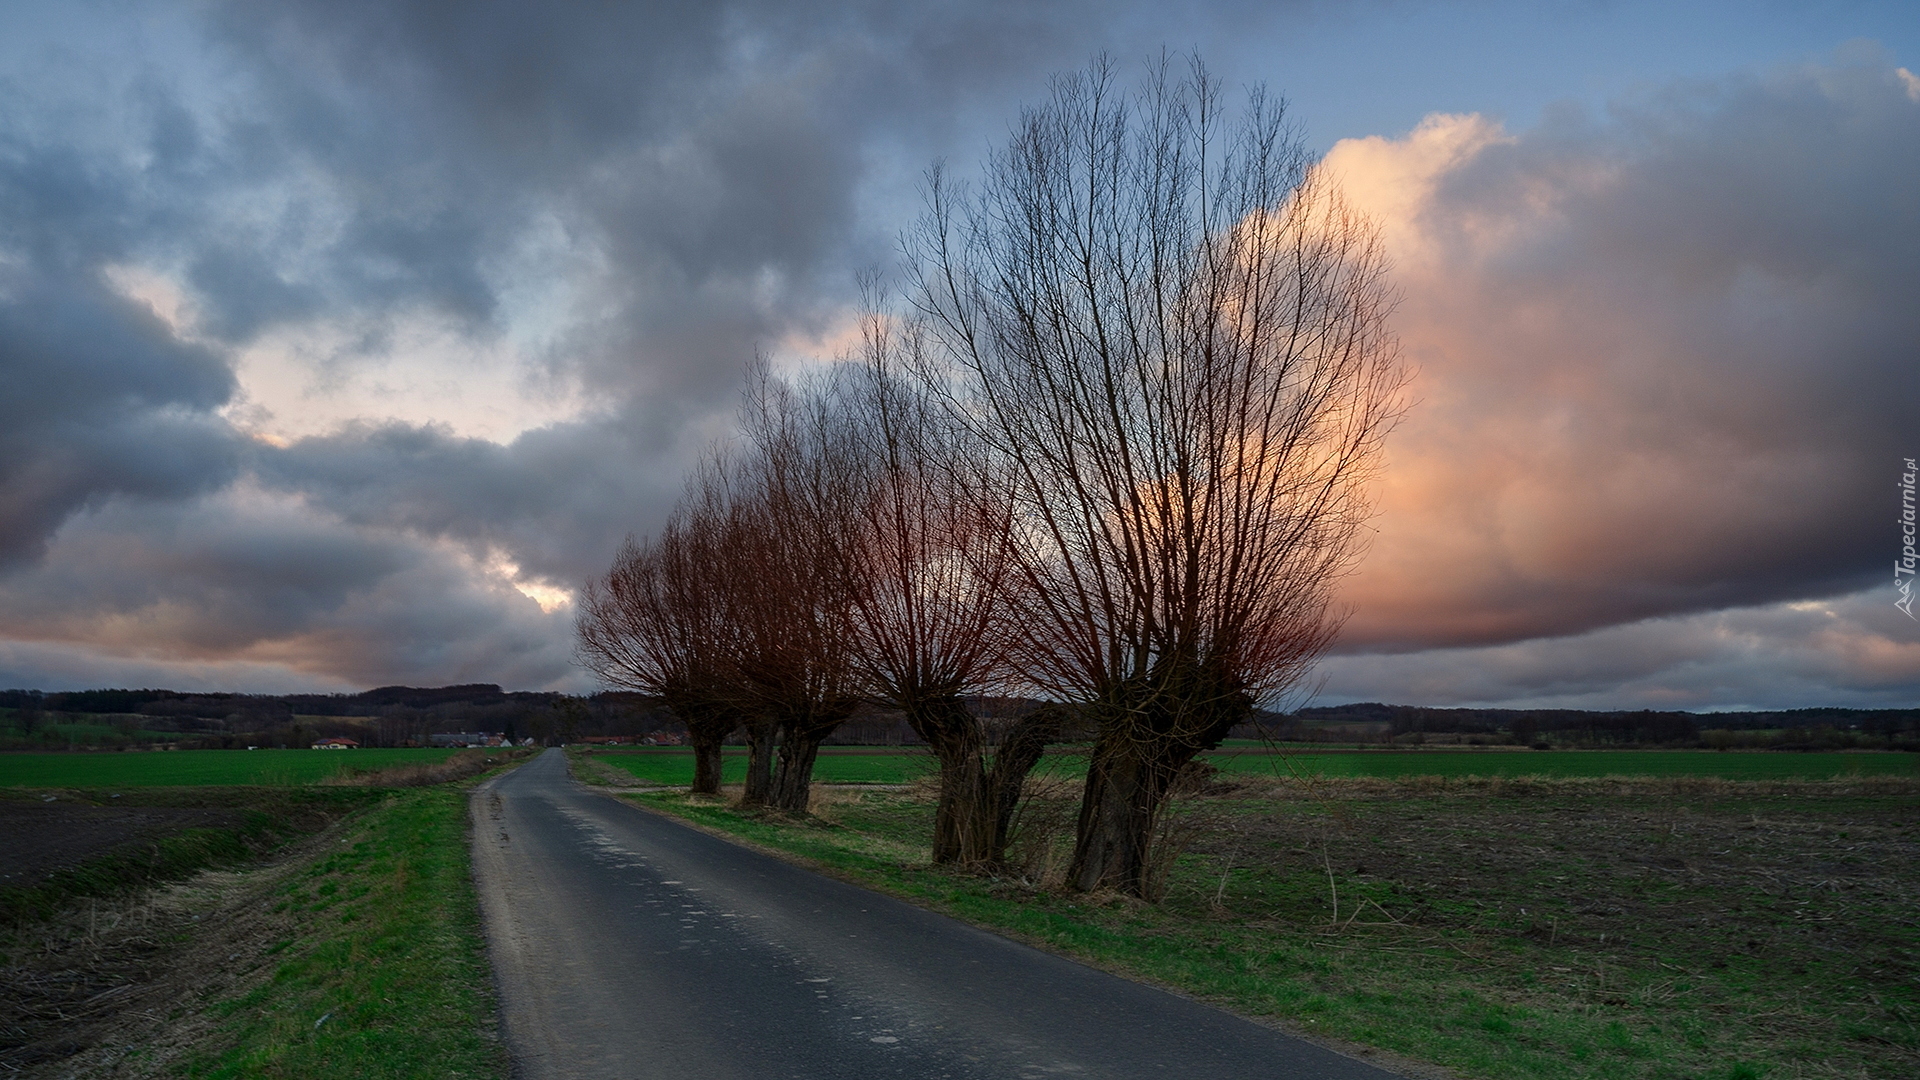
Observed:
{"x":106,"y":977}
{"x":458,"y":766}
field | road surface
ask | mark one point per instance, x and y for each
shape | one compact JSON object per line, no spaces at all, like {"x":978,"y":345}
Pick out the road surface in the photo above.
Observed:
{"x":627,"y":945}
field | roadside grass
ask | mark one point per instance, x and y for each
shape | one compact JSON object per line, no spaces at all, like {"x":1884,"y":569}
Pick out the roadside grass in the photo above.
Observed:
{"x":357,"y":953}
{"x":1535,"y":929}
{"x":673,"y":766}
{"x":383,"y":972}
{"x":193,"y":768}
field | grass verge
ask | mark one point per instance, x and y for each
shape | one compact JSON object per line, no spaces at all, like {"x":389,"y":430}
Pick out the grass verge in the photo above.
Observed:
{"x":384,"y":972}
{"x":1549,"y":929}
{"x":358,"y":954}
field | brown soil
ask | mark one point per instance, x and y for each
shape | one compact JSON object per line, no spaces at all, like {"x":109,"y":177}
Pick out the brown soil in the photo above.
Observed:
{"x":1696,"y":864}
{"x":1808,"y":904}
{"x":47,"y":836}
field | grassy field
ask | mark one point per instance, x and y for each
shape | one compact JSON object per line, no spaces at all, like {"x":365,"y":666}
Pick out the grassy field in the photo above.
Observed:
{"x":841,"y":765}
{"x":1576,"y":929}
{"x":191,"y":768}
{"x":360,"y":955}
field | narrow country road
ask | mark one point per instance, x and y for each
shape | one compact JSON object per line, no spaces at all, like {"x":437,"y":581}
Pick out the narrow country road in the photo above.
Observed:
{"x":626,"y":945}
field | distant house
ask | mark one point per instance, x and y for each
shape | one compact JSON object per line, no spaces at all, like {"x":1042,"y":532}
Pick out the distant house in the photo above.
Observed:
{"x":333,"y":744}
{"x":466,"y":738}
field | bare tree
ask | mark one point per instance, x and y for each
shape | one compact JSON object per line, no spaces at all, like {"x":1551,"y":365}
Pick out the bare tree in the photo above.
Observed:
{"x":927,"y":559}
{"x":791,"y":494}
{"x":658,"y":622}
{"x":733,"y":614}
{"x":1171,"y":332}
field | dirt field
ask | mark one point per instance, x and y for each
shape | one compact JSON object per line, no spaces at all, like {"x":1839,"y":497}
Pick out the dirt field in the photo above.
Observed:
{"x":95,"y":991}
{"x":1735,"y":885}
{"x":46,"y":836}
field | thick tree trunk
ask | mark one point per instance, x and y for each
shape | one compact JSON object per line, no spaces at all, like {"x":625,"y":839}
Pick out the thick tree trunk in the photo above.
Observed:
{"x":1136,"y":759}
{"x":706,"y":740}
{"x":975,"y":812}
{"x":1127,"y":782}
{"x":963,"y":820}
{"x":759,"y":787}
{"x":793,"y":784}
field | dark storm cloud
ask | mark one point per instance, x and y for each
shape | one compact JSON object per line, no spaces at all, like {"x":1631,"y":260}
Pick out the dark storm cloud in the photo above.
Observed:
{"x":710,"y":155}
{"x":711,"y":151}
{"x":348,"y":163}
{"x":242,"y":576}
{"x":554,"y":497}
{"x":97,"y":396}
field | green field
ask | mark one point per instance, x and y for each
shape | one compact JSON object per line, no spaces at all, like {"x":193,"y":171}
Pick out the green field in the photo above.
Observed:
{"x":849,"y":765}
{"x":178,"y":768}
{"x":673,"y":765}
{"x":1725,"y":765}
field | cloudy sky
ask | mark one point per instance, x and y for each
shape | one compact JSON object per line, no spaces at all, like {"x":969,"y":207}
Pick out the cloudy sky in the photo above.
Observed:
{"x":339,"y":342}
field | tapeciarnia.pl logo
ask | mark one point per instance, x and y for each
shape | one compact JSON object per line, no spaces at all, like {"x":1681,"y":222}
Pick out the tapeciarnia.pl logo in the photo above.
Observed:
{"x":1903,"y":566}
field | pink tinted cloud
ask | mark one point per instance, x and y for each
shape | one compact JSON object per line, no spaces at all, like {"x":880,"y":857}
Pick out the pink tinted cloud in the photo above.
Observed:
{"x":1661,"y":356}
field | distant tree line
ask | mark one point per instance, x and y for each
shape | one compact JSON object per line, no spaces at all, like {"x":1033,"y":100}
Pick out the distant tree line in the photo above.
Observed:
{"x":387,"y":716}
{"x":1790,"y":729}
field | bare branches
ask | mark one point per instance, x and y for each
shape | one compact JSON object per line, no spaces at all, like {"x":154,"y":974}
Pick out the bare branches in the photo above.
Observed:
{"x":663,"y":621}
{"x":1117,"y":457}
{"x":1171,"y":335}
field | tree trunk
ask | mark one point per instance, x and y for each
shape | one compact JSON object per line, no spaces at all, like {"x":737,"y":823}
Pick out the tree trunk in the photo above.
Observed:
{"x":1019,"y":751}
{"x":706,"y":742}
{"x":953,"y":734}
{"x":759,"y":763}
{"x":1126,"y":783}
{"x":1142,"y":746}
{"x":793,"y":784}
{"x":975,"y":811}
{"x":963,"y":820}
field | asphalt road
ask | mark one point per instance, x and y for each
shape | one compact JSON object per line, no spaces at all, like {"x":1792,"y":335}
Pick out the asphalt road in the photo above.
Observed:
{"x":627,"y":945}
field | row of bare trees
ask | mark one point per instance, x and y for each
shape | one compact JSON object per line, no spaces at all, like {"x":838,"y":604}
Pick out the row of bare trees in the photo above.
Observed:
{"x":1112,"y":453}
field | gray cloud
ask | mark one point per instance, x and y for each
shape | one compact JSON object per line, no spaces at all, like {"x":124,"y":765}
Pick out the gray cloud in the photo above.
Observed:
{"x":693,"y":170}
{"x":556,"y":498}
{"x":97,"y":397}
{"x":1851,"y":651}
{"x":243,"y":576}
{"x":631,"y":199}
